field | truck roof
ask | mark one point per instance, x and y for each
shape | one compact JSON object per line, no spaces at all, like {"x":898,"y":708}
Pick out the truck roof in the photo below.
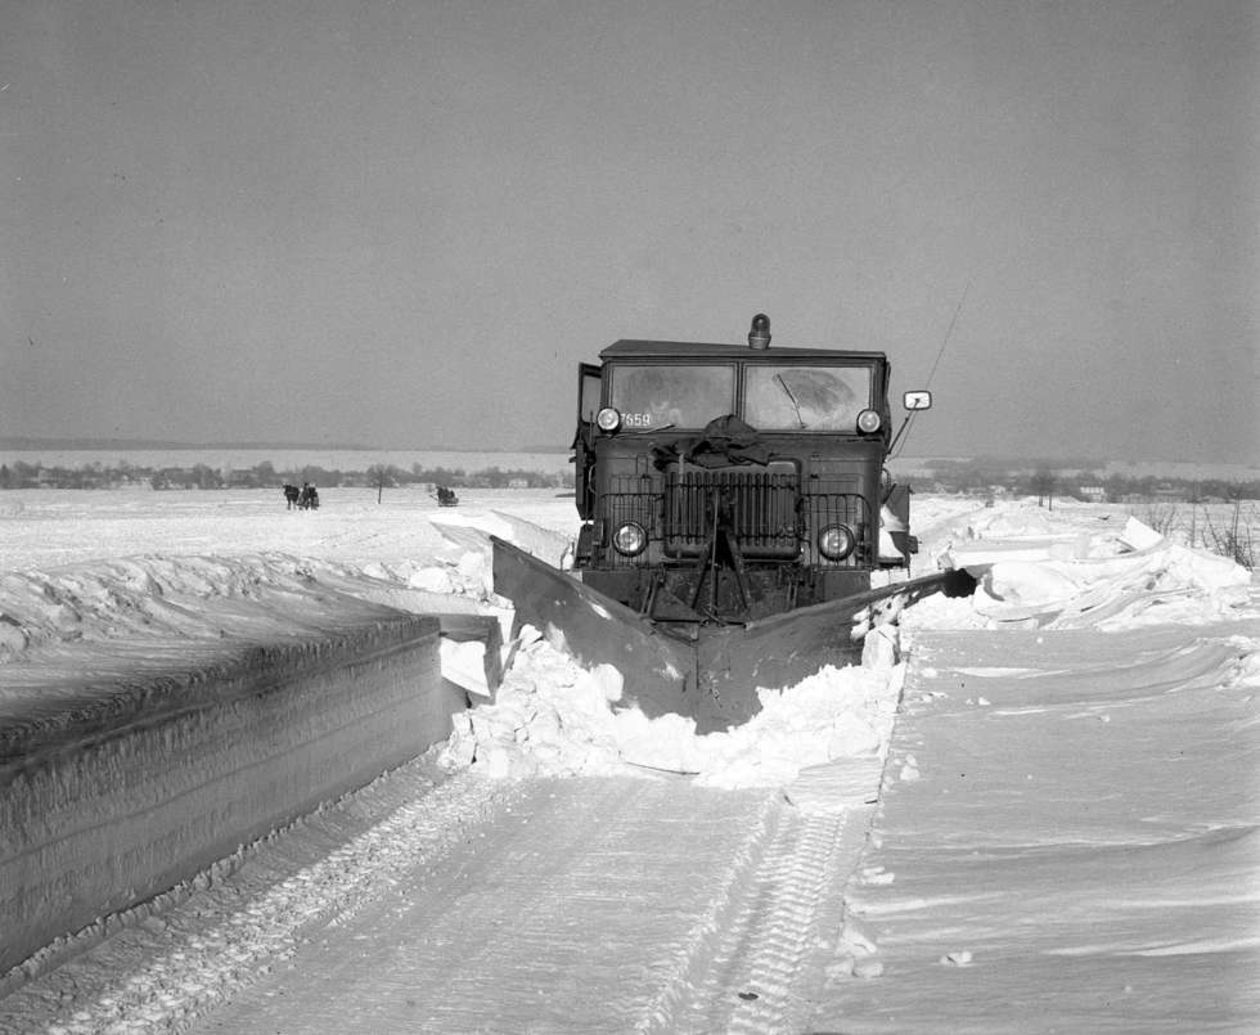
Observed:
{"x":628,"y":348}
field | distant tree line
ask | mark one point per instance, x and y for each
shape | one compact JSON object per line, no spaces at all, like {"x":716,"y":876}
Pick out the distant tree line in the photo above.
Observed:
{"x":973,"y":477}
{"x":979,"y":477}
{"x":21,"y":475}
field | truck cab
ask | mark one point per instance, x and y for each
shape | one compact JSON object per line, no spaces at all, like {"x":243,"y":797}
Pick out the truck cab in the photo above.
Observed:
{"x":723,"y":483}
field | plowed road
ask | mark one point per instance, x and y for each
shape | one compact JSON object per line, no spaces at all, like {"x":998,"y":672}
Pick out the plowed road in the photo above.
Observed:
{"x":1069,"y":837}
{"x":588,"y":905}
{"x":614,"y":904}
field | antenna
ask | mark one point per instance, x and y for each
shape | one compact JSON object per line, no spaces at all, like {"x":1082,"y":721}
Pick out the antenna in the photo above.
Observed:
{"x":905,"y":424}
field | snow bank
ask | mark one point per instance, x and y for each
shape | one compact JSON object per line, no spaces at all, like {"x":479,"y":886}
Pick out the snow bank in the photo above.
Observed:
{"x":155,"y":715}
{"x":182,"y":686}
{"x":1066,"y":845}
{"x":1078,"y":569}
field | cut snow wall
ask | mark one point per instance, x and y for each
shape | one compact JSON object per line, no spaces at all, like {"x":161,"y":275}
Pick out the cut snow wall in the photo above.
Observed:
{"x":142,"y":783}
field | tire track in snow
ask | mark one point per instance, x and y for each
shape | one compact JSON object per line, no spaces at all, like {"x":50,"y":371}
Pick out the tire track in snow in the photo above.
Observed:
{"x":769,"y":950}
{"x":583,"y":910}
{"x":591,"y":905}
{"x":690,"y":953}
{"x":209,"y":939}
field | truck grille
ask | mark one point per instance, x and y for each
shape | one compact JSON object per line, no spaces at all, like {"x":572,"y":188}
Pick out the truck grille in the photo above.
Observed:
{"x":837,"y":508}
{"x":773,"y":520}
{"x":762,"y":504}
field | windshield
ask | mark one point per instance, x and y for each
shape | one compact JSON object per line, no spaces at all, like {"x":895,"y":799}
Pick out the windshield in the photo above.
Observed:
{"x":783,"y":398}
{"x":672,"y":396}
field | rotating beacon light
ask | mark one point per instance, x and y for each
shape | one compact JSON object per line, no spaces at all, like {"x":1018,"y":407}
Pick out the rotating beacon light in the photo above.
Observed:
{"x":759,"y":333}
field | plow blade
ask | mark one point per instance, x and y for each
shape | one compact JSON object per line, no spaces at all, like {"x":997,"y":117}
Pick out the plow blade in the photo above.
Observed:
{"x":708,"y":673}
{"x":595,"y":629}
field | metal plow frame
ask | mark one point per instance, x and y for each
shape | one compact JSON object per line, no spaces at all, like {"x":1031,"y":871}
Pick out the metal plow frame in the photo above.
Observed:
{"x":709,"y":673}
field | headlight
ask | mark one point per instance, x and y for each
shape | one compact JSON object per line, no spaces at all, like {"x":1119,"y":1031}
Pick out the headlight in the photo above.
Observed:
{"x":868,"y":421}
{"x":608,"y":419}
{"x":836,"y":542}
{"x":630,"y":539}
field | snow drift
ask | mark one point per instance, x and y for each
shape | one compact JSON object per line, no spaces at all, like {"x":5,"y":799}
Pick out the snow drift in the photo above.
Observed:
{"x":154,"y":719}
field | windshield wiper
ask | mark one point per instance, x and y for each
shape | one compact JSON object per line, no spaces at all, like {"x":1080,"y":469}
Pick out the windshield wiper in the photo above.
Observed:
{"x":795,"y":405}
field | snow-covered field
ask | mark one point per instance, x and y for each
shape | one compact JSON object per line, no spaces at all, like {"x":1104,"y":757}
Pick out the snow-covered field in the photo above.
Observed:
{"x":1101,"y":687}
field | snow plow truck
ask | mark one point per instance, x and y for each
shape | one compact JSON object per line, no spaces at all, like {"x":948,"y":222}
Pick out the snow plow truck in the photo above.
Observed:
{"x":735,"y":507}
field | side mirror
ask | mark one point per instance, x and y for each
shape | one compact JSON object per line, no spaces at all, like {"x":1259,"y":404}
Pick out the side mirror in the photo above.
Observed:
{"x":917,"y":400}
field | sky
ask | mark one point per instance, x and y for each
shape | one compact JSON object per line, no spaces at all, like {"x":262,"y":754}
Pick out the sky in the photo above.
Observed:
{"x":403,"y":225}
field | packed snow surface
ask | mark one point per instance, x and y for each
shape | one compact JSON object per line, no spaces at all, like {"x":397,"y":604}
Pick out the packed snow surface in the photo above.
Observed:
{"x":1072,"y":627}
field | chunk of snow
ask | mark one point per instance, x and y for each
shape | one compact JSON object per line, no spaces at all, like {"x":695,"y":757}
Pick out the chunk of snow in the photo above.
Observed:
{"x":1139,"y":536}
{"x":464,"y":664}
